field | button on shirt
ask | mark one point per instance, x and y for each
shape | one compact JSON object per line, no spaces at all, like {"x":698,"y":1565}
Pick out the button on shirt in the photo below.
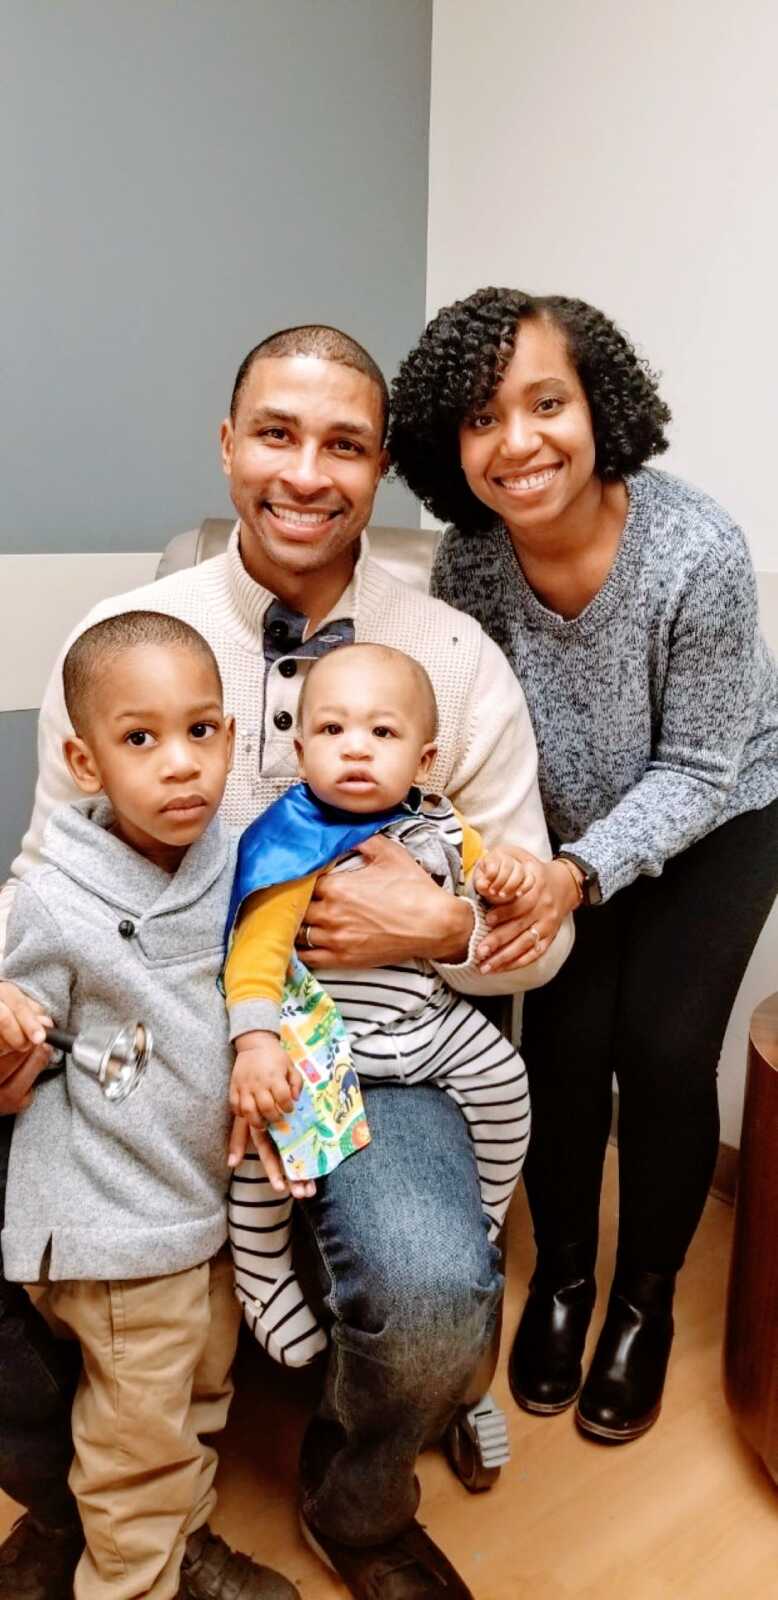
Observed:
{"x":288,"y":654}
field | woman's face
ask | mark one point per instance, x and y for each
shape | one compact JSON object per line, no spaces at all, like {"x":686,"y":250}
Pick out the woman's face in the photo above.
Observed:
{"x":529,"y":452}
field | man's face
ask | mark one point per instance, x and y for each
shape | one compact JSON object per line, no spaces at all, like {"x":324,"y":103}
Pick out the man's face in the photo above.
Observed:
{"x":304,"y":459}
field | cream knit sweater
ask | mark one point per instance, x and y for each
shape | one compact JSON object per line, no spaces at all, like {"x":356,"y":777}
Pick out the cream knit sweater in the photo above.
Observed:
{"x":486,"y":763}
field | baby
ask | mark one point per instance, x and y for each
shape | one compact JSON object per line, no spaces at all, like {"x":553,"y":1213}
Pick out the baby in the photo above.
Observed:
{"x":120,"y":1209}
{"x":367,"y":724}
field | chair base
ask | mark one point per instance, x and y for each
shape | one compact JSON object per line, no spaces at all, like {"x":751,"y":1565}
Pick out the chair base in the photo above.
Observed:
{"x":477,"y":1446}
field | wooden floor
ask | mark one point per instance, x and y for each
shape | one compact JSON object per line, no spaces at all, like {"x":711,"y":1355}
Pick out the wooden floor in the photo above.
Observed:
{"x":687,"y":1513}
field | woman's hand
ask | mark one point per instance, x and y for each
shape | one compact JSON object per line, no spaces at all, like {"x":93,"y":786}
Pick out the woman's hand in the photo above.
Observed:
{"x":524,"y":929}
{"x":389,"y":911}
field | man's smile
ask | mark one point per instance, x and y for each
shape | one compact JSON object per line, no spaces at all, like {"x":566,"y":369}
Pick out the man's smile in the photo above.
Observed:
{"x":302,"y":523}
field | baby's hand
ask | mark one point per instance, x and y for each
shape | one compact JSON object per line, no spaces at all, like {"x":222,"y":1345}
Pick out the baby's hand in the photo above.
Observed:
{"x":264,"y":1084}
{"x":498,"y":876}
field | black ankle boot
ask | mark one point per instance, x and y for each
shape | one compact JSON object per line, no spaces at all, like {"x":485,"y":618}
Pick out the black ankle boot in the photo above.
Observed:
{"x":622,"y":1394}
{"x":38,"y":1563}
{"x":544,"y":1369}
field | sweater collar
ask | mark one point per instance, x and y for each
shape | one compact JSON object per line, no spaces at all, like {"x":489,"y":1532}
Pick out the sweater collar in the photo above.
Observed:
{"x":79,"y":842}
{"x":361,"y":597}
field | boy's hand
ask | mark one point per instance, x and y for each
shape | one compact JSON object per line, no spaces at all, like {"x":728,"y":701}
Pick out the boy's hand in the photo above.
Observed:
{"x":268,"y":1155}
{"x":264,"y":1083}
{"x":499,"y":877}
{"x":23,"y":1022}
{"x":23,"y":1049}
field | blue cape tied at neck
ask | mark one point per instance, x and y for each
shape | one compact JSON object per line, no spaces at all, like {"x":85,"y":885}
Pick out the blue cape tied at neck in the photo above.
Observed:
{"x":300,"y":834}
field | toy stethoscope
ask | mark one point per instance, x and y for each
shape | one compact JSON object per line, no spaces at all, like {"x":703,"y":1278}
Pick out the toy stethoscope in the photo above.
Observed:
{"x":117,"y":1060}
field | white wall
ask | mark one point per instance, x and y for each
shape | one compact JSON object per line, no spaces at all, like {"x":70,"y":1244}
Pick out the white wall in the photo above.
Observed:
{"x":627,"y":155}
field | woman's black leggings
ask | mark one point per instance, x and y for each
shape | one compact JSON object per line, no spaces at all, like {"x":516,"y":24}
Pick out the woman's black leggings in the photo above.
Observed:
{"x":646,"y":994}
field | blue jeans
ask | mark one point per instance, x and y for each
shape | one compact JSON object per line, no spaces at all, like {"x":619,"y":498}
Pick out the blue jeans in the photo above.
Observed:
{"x":38,"y":1376}
{"x":411,"y":1290}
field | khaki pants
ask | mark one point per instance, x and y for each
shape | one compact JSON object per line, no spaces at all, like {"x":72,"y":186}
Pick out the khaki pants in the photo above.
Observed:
{"x":157,"y":1359}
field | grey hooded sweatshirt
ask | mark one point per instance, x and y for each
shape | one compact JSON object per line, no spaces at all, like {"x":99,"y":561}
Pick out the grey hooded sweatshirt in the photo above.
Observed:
{"x":100,"y":936}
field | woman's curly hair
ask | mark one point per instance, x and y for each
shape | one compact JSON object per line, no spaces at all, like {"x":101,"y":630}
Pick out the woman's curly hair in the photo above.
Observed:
{"x":461,"y":359}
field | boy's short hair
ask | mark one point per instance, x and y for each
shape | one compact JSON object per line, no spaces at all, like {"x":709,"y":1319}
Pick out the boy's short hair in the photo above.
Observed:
{"x":106,"y":640}
{"x":428,"y":702}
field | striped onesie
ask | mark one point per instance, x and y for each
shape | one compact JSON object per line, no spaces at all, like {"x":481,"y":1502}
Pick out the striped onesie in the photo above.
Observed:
{"x":405,"y":1026}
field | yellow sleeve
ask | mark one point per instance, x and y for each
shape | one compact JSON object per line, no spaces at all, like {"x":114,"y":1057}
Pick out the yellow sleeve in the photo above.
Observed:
{"x":472,"y":844}
{"x":264,"y":939}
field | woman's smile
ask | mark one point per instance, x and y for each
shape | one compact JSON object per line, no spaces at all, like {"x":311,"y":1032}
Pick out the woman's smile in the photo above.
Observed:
{"x":526,"y":483}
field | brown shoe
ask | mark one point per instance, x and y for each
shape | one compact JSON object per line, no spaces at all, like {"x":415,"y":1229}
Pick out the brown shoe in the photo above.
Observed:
{"x":409,"y":1567}
{"x":38,"y":1563}
{"x":212,"y":1571}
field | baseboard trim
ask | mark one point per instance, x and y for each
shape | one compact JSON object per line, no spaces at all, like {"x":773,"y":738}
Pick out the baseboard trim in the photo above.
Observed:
{"x":724,"y":1180}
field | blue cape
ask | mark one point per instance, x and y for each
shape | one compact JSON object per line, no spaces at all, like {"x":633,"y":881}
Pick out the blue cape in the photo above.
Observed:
{"x":299,"y":834}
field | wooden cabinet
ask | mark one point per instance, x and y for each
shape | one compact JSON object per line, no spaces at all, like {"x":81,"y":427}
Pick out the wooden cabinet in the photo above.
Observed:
{"x":751,"y":1336}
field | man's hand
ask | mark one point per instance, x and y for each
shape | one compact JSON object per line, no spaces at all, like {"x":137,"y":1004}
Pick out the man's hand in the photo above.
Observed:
{"x":268,"y":1155}
{"x":23,"y":1049}
{"x":389,"y":911}
{"x":524,"y":928}
{"x":264,"y":1083}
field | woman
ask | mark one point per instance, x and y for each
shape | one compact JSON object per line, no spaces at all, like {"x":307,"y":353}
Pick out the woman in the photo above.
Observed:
{"x":625,"y":601}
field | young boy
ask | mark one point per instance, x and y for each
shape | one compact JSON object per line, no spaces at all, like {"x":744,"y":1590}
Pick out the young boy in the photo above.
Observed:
{"x":121,"y":1209}
{"x":367,"y":724}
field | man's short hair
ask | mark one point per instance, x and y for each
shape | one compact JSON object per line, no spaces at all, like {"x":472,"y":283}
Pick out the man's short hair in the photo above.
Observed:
{"x":427,"y":701}
{"x":314,"y":339}
{"x":91,"y":652}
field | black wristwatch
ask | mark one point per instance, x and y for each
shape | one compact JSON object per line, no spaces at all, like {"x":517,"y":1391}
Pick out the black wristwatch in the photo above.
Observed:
{"x":591,"y":893}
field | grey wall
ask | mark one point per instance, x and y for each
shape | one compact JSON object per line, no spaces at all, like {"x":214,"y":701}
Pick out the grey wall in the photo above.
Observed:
{"x":18,"y":767}
{"x":178,"y":180}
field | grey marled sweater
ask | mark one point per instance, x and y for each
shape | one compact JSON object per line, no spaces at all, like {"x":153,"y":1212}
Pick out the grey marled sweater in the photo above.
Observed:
{"x":101,"y":935}
{"x":656,"y":709}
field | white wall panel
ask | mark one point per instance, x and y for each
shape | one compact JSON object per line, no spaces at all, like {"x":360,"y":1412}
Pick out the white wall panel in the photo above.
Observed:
{"x":41,"y":599}
{"x":627,"y":155}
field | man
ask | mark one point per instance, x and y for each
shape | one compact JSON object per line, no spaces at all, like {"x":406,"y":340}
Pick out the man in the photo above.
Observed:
{"x":410,"y":1282}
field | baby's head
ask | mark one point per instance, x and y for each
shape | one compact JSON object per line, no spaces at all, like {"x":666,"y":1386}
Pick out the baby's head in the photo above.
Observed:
{"x":367,"y":723}
{"x":144,"y":695}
